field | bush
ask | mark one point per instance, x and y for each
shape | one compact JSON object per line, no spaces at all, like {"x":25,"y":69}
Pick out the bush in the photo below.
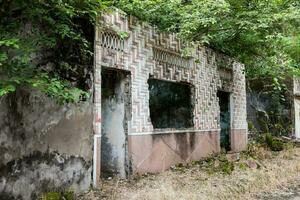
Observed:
{"x":273,"y":143}
{"x":69,"y":195}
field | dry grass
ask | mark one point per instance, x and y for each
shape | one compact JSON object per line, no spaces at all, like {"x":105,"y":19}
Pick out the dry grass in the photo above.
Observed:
{"x":196,"y":182}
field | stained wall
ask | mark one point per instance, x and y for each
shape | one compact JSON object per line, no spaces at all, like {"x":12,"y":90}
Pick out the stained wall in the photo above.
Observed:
{"x":44,"y":146}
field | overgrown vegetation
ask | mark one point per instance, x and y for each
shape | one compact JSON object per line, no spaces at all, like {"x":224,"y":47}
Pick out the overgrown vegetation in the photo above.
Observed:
{"x":263,"y":34}
{"x":271,"y":103}
{"x":262,"y":147}
{"x":48,"y":44}
{"x":68,"y":195}
{"x":256,"y":170}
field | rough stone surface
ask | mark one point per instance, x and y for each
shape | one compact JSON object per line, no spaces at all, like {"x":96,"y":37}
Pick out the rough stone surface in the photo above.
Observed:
{"x":251,"y":164}
{"x":43,"y":146}
{"x":233,"y":157}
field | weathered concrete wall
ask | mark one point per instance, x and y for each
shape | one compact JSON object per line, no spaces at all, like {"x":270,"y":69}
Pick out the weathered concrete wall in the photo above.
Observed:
{"x":114,"y":131}
{"x":157,"y":152}
{"x":43,"y":146}
{"x":295,"y":107}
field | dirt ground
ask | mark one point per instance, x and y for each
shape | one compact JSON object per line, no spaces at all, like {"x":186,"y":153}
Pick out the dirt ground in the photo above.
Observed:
{"x":291,"y":191}
{"x":257,"y":174}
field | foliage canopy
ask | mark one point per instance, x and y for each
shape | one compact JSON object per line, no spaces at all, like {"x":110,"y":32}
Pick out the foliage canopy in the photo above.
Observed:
{"x":263,"y":34}
{"x":48,"y":44}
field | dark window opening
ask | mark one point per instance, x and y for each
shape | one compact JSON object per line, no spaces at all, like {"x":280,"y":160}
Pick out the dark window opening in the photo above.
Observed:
{"x":170,"y":104}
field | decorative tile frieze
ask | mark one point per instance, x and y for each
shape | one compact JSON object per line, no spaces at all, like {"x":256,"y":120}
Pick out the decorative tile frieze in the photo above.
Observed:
{"x":171,"y":58}
{"x":155,"y":54}
{"x":111,"y":41}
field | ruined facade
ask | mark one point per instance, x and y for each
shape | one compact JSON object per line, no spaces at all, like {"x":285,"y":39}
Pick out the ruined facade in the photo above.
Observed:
{"x":152,"y":108}
{"x":137,"y":115}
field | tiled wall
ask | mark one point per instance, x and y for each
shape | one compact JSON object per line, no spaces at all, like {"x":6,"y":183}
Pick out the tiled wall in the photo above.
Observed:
{"x":146,"y":52}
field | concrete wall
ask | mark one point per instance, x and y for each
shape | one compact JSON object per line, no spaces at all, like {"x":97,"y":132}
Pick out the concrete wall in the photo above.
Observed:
{"x":114,"y":131}
{"x":147,"y":53}
{"x":295,"y":107}
{"x":157,"y":152}
{"x":43,"y":146}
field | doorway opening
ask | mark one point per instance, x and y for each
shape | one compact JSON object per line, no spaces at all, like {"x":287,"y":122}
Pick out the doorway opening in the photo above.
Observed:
{"x":224,"y":103}
{"x":115,"y":114}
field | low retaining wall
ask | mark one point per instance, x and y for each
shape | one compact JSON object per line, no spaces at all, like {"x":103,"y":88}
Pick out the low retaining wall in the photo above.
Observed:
{"x":157,"y":152}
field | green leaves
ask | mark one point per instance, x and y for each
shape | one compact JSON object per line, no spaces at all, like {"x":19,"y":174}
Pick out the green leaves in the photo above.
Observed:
{"x":7,"y":89}
{"x":55,"y":37}
{"x":60,"y":89}
{"x":260,"y":34}
{"x":48,"y":45}
{"x":13,"y":42}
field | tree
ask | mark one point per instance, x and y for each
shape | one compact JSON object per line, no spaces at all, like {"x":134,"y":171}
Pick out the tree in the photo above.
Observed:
{"x":48,"y":44}
{"x":263,"y":34}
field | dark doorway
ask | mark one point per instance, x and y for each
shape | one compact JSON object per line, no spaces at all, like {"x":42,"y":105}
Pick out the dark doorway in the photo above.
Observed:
{"x":115,"y":105}
{"x":224,"y":103}
{"x":170,"y":104}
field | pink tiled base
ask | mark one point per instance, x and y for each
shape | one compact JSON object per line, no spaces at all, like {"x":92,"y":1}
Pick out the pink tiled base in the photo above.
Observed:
{"x":238,"y":140}
{"x":157,"y":152}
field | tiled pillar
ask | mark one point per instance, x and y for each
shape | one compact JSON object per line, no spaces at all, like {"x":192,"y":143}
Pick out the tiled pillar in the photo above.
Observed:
{"x":239,"y":123}
{"x":97,"y":116}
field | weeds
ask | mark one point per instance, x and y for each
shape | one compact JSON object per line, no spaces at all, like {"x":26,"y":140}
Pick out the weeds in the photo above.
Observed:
{"x":213,"y":178}
{"x":255,"y":170}
{"x":68,"y":195}
{"x":273,"y":143}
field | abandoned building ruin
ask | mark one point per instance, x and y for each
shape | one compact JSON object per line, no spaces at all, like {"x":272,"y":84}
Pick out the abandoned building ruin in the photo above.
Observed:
{"x":152,"y":108}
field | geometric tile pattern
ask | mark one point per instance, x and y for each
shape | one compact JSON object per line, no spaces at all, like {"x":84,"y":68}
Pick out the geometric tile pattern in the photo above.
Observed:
{"x":142,"y":55}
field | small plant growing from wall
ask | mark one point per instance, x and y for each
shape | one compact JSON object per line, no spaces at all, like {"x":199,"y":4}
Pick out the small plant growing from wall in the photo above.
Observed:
{"x":68,"y":195}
